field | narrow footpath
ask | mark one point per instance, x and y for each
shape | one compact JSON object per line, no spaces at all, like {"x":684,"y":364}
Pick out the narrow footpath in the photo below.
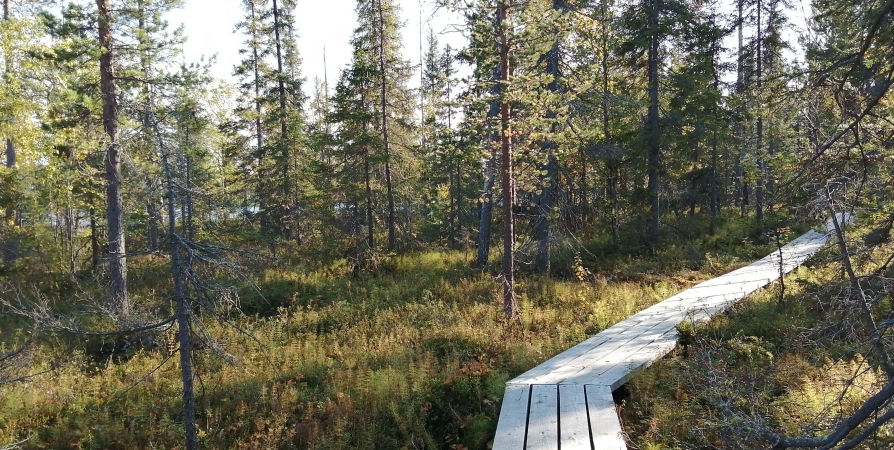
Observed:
{"x":566,"y":402}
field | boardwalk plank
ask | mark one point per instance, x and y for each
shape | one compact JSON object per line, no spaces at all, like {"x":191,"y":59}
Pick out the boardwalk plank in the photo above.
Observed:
{"x":699,"y":302}
{"x":572,"y":390}
{"x":574,"y":429}
{"x":513,"y":417}
{"x":543,"y":418}
{"x":604,"y":423}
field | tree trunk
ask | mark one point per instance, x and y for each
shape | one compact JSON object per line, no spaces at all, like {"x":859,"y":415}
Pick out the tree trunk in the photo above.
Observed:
{"x":152,"y":222}
{"x":486,"y":209}
{"x":119,"y":303}
{"x":741,"y":186}
{"x":94,"y":241}
{"x":370,"y":239}
{"x":713,"y":194}
{"x":289,"y":213}
{"x":611,"y":166}
{"x":190,"y":225}
{"x":10,"y":248}
{"x":654,"y":143}
{"x":510,"y":306}
{"x":486,"y":217}
{"x":383,"y":84}
{"x":761,"y":176}
{"x":259,"y":134}
{"x":545,"y":207}
{"x":178,"y":271}
{"x":153,"y":219}
{"x":546,"y":200}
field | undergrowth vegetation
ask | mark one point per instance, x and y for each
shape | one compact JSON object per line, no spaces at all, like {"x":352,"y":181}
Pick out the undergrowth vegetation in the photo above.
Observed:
{"x":414,"y":355}
{"x":786,"y":363}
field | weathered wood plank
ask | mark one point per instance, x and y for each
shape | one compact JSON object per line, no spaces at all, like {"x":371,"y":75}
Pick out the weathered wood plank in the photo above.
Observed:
{"x":568,"y":397}
{"x":604,"y":423}
{"x":574,"y":427}
{"x":543,"y":418}
{"x":513,"y":417}
{"x":621,"y":372}
{"x":601,"y":352}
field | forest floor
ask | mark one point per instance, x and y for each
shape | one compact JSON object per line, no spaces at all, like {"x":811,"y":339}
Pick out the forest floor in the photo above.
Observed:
{"x":793,"y":360}
{"x":415,"y":355}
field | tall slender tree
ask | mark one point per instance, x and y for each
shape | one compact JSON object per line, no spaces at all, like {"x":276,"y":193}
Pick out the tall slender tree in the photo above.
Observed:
{"x":120,"y":302}
{"x":545,"y":204}
{"x":510,"y":305}
{"x":10,"y":251}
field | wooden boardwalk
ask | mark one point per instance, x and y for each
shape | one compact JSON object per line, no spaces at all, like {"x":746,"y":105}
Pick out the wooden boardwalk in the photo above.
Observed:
{"x":566,"y":402}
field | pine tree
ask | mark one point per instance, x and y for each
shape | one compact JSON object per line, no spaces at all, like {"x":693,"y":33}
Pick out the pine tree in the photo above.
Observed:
{"x":253,"y":74}
{"x":375,"y":87}
{"x":354,"y":117}
{"x":648,"y":24}
{"x":13,"y":217}
{"x":120,"y":302}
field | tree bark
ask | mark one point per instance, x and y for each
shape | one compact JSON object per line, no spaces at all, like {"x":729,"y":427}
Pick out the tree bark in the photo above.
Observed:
{"x":383,"y":84}
{"x":370,"y":236}
{"x":510,"y":306}
{"x":713,"y":194}
{"x":290,"y":212}
{"x":741,"y":185}
{"x":761,"y":162}
{"x":487,"y":197}
{"x":654,"y":138}
{"x":611,"y":166}
{"x":152,"y":222}
{"x":546,"y":200}
{"x":486,"y":209}
{"x":10,"y":248}
{"x":545,"y":209}
{"x":119,"y":302}
{"x":94,"y":241}
{"x":259,"y":131}
{"x":183,"y":317}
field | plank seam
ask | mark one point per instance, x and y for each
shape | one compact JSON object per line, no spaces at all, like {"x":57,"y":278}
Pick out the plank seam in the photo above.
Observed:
{"x":589,"y":422}
{"x":558,"y":418}
{"x":528,"y":415}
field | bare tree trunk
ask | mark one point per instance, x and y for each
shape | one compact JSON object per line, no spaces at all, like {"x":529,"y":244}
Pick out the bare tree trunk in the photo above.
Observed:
{"x":190,"y":225}
{"x":178,"y":271}
{"x":120,"y":303}
{"x":654,"y":183}
{"x":152,"y":222}
{"x":510,"y":306}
